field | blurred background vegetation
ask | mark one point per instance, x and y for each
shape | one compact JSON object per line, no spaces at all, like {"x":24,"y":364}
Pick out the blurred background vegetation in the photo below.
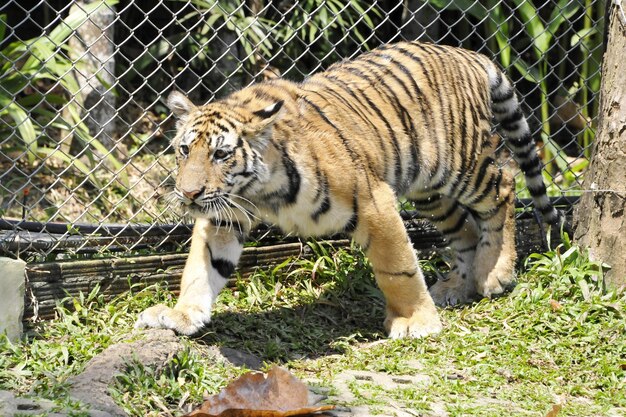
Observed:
{"x":55,"y":167}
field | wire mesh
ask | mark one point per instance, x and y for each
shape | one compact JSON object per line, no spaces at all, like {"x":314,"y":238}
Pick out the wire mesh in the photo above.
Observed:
{"x":85,"y":162}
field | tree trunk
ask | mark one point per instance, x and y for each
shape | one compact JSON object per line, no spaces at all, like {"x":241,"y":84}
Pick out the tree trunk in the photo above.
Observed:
{"x":600,"y":217}
{"x":93,"y":46}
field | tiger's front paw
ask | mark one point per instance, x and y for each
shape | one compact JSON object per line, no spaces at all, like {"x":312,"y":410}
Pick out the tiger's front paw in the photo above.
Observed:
{"x":423,"y":322}
{"x":453,"y":292}
{"x":496,"y":284}
{"x":186,"y":319}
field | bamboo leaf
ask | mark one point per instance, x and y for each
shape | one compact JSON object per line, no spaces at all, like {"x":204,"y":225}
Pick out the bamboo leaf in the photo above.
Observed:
{"x":561,"y":13}
{"x":77,"y":18}
{"x":530,"y":73}
{"x":24,"y":125}
{"x":43,"y":48}
{"x":3,"y":26}
{"x":583,"y":36}
{"x":471,"y":7}
{"x":533,"y":25}
{"x":499,"y":26}
{"x":557,"y":151}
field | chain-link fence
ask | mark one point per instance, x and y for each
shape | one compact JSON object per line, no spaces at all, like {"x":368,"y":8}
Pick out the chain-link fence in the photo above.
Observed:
{"x":85,"y":162}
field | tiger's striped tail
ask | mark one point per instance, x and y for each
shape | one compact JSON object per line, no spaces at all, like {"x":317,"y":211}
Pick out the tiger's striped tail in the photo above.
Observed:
{"x":514,"y":127}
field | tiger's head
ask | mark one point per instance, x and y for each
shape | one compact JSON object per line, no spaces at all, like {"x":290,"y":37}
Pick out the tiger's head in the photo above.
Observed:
{"x":220,"y":153}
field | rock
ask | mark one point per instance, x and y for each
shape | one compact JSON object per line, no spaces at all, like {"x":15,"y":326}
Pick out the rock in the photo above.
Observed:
{"x":156,"y":348}
{"x":346,"y":381}
{"x":12,"y":406}
{"x":12,"y":289}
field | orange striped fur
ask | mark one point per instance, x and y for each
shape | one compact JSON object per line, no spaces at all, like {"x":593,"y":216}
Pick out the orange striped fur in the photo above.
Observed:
{"x":334,"y":152}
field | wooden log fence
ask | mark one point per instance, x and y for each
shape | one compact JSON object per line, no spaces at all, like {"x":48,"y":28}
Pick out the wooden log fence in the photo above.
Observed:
{"x":50,"y":282}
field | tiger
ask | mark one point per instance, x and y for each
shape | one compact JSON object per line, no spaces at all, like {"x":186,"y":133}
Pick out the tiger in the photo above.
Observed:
{"x":334,"y":153}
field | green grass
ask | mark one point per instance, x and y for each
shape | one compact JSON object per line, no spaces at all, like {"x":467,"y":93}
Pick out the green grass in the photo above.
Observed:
{"x":558,"y":337}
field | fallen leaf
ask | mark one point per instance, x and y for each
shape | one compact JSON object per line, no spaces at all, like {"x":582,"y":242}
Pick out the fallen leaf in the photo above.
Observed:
{"x":555,"y":410}
{"x":555,"y":305}
{"x":255,"y":394}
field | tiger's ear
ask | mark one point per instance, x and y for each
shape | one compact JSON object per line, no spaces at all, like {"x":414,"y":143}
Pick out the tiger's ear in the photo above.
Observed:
{"x":259,"y":130}
{"x":270,"y":111}
{"x":179,"y":104}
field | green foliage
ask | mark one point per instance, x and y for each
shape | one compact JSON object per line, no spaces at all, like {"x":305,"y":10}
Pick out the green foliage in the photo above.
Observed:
{"x":543,"y":66}
{"x":558,"y":335}
{"x":38,"y":65}
{"x":85,"y":326}
{"x":181,"y":384}
{"x":299,"y":35}
{"x":570,"y":275}
{"x":323,"y":31}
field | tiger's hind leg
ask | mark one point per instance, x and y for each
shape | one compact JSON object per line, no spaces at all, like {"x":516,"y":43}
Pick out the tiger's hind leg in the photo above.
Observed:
{"x":494,"y":268}
{"x":461,"y":233}
{"x":381,"y":232}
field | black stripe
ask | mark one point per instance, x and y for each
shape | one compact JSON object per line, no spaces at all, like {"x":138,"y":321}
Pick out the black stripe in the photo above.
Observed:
{"x":223,"y":266}
{"x":537,"y":190}
{"x":415,"y":163}
{"x":357,"y":110}
{"x":524,"y":140}
{"x":408,"y":274}
{"x":388,"y":72}
{"x":504,"y":96}
{"x":397,"y":162}
{"x":458,"y":226}
{"x":465,"y":250}
{"x":352,"y":223}
{"x":264,"y":95}
{"x":523,"y":155}
{"x":489,"y":186}
{"x":323,"y":208}
{"x":346,"y":144}
{"x":486,"y":215}
{"x":322,"y":182}
{"x":479,"y":177}
{"x":291,"y":171}
{"x":446,"y":214}
{"x":426,"y":203}
{"x":531,"y":163}
{"x":499,"y":111}
{"x":492,"y":229}
{"x":222,"y":126}
{"x":227,"y":224}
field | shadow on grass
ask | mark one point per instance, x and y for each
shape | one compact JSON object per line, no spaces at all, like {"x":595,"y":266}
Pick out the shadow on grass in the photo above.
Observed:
{"x":326,"y":326}
{"x":323,"y":327}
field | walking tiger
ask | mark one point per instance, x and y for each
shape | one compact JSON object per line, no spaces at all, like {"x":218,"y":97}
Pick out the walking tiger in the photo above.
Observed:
{"x":334,"y":152}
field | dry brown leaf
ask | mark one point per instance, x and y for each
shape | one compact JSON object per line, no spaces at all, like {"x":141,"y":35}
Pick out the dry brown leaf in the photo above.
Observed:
{"x":555,"y":305}
{"x":555,"y":410}
{"x":275,"y":394}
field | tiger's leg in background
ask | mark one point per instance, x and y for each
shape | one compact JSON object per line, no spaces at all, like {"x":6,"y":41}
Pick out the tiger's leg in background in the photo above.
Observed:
{"x":213,"y":255}
{"x":461,"y":233}
{"x":381,"y":232}
{"x":494,"y":268}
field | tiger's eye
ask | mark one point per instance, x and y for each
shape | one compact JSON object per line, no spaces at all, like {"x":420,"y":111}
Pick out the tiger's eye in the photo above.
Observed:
{"x":220,"y":154}
{"x":184,"y":150}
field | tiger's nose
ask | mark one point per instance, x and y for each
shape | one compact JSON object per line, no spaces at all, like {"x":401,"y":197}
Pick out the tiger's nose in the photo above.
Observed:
{"x":193,"y":194}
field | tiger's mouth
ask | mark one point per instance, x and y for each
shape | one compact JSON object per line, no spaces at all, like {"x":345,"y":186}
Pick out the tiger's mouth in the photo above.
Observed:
{"x":220,"y":206}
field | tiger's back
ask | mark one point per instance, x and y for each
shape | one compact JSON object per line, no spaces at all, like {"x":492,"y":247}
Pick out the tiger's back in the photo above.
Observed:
{"x":333,"y":153}
{"x":416,"y":127}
